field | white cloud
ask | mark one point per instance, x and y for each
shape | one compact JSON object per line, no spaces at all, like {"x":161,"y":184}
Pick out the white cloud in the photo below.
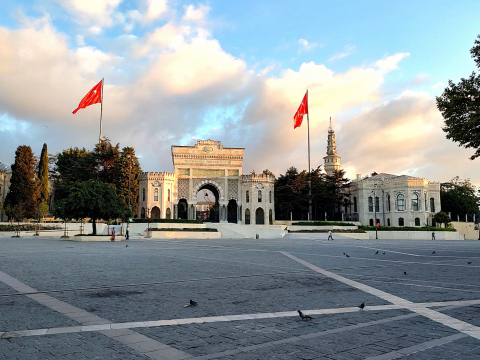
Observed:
{"x":306,"y":46}
{"x":439,"y":84}
{"x":390,"y":63}
{"x":155,"y":9}
{"x":348,"y":51}
{"x":193,"y":13}
{"x":96,"y":13}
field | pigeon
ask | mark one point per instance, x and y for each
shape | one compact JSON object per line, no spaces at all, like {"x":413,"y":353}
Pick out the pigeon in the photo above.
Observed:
{"x":469,"y":262}
{"x":192,"y":303}
{"x":303,"y":316}
{"x":344,"y":254}
{"x":404,"y":273}
{"x":433,"y":252}
{"x":361,"y":306}
{"x":384,"y":253}
{"x":347,"y":255}
{"x":126,"y":245}
{"x":376,"y":252}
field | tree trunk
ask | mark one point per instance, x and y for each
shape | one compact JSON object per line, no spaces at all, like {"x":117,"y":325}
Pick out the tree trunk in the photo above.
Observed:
{"x":94,"y":227}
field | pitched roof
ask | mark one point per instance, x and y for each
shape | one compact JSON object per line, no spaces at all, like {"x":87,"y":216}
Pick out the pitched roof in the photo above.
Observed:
{"x":385,"y":176}
{"x":4,"y":167}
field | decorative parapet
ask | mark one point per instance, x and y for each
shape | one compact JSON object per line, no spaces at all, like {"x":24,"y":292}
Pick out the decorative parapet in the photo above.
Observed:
{"x":156,"y":176}
{"x":258,"y":178}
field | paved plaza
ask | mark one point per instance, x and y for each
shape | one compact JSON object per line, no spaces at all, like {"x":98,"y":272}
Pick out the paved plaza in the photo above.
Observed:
{"x":126,"y":300}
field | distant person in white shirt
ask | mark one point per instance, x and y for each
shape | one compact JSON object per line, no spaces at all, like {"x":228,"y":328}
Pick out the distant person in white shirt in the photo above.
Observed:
{"x":330,"y":236}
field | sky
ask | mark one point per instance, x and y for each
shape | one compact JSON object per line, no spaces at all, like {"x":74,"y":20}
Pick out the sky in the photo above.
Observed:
{"x":177,"y":71}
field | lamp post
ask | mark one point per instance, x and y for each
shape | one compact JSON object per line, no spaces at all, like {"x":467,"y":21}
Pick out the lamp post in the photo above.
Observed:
{"x":375,"y":210}
{"x":129,"y":157}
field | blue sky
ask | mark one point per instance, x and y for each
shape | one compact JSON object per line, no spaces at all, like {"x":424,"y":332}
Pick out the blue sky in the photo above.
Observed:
{"x":235,"y":71}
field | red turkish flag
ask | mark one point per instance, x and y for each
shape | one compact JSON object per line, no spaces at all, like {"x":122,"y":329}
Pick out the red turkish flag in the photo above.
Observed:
{"x":302,"y":110}
{"x":94,"y":96}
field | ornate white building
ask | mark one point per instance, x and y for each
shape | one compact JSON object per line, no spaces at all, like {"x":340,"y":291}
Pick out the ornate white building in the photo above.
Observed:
{"x":391,"y":200}
{"x":332,"y":160}
{"x":207,"y":183}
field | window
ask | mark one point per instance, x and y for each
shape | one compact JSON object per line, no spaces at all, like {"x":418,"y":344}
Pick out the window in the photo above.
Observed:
{"x":388,"y":222}
{"x":270,"y":197}
{"x":168,"y":213}
{"x":259,"y":195}
{"x":247,"y":216}
{"x":377,"y":204}
{"x":415,"y":202}
{"x":142,"y":213}
{"x":155,"y":195}
{"x":388,"y":204}
{"x":401,"y":222}
{"x":432,"y":205}
{"x":417,"y":221}
{"x":370,"y":204}
{"x":168,"y":197}
{"x":247,"y":198}
{"x":354,"y":204}
{"x":371,"y":222}
{"x":143,"y":195}
{"x":400,"y":202}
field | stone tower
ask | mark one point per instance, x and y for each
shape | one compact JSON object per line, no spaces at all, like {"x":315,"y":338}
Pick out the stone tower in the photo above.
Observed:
{"x":332,"y":160}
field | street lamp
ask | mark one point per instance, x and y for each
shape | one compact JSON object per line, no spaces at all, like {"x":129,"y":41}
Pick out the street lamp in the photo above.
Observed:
{"x":375,"y":210}
{"x":129,"y":157}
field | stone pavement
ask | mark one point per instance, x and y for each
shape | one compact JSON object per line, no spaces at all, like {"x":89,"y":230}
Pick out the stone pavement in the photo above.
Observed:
{"x":74,"y":300}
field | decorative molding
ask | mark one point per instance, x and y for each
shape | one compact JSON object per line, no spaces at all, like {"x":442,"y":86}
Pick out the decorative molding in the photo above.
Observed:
{"x":232,"y":189}
{"x":183,"y":187}
{"x":209,"y":172}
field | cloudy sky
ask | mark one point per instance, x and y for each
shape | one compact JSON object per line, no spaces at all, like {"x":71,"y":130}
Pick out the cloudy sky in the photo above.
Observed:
{"x":177,"y":71}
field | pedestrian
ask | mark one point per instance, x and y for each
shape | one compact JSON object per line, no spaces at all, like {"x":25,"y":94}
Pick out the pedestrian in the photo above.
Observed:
{"x":127,"y":232}
{"x":113,"y":235}
{"x":433,"y":235}
{"x":330,"y":236}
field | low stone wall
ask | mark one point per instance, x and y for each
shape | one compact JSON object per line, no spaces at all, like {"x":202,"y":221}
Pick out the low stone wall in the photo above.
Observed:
{"x":183,"y":235}
{"x":94,"y":238}
{"x":415,"y":235}
{"x":325,"y":228}
{"x":466,"y":229}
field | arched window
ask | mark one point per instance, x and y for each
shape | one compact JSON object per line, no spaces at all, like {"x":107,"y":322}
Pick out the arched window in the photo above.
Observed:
{"x":270,"y":197}
{"x":401,"y":222}
{"x":247,"y":198}
{"x":247,"y":216}
{"x":168,"y":213}
{"x":432,"y":205}
{"x":417,"y":221}
{"x":259,"y":195}
{"x":370,"y":204}
{"x":377,"y":204}
{"x":143,"y":195}
{"x":354,"y":204}
{"x":388,"y":204}
{"x":371,"y":222}
{"x":401,"y":203}
{"x":168,"y":198}
{"x":388,"y":222}
{"x":155,"y":195}
{"x":415,"y":202}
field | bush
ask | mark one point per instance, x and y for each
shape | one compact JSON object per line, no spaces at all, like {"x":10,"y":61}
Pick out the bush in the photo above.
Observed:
{"x":405,"y":228}
{"x":321,"y":223}
{"x":186,"y":229}
{"x":159,"y":221}
{"x":28,"y":227}
{"x":326,"y":231}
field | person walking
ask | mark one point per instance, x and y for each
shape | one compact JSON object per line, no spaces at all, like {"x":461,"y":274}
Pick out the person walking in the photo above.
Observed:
{"x":113,"y":235}
{"x":330,"y":236}
{"x":433,"y":235}
{"x":127,"y":232}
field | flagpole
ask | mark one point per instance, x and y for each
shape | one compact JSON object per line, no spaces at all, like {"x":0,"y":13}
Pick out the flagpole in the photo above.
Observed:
{"x":101,"y":114}
{"x":309,"y":169}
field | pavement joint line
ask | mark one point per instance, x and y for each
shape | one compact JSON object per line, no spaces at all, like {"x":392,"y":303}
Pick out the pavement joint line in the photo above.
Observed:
{"x":107,"y":326}
{"x":417,"y":348}
{"x":157,"y":350}
{"x":449,"y":321}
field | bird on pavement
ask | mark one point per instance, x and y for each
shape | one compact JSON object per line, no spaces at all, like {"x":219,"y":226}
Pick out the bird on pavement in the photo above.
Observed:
{"x":303,"y":316}
{"x":126,"y":245}
{"x":347,"y":255}
{"x":344,"y":254}
{"x":361,"y":306}
{"x":404,"y":273}
{"x":469,"y":262}
{"x":192,"y":303}
{"x":433,"y":252}
{"x":376,"y":252}
{"x":384,"y":253}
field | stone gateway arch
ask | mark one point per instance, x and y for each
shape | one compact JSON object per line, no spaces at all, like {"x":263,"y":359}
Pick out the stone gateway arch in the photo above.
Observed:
{"x":207,"y":183}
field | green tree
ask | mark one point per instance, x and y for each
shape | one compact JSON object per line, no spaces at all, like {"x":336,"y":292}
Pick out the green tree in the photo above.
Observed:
{"x":22,"y":197}
{"x":337,"y":193}
{"x":127,"y":178}
{"x":42,"y":176}
{"x":90,"y":199}
{"x":106,"y":157}
{"x":442,"y":218}
{"x":460,"y":107}
{"x":459,"y":197}
{"x":291,"y":190}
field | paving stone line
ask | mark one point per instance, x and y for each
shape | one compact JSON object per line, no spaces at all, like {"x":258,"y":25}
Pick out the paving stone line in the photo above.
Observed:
{"x":461,"y":326}
{"x":141,"y":343}
{"x":417,"y":348}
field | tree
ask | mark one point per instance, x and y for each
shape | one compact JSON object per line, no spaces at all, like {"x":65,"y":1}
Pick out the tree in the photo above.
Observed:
{"x":22,"y":198}
{"x":337,"y":192}
{"x":106,"y":158}
{"x":460,"y":107}
{"x":90,"y":199}
{"x":442,"y":218}
{"x":127,"y":178}
{"x":459,"y":197}
{"x":42,"y":177}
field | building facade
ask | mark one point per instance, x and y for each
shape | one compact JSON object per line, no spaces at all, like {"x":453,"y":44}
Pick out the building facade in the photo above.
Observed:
{"x":331,"y":162}
{"x":5,"y":175}
{"x":207,"y":183}
{"x":391,"y":200}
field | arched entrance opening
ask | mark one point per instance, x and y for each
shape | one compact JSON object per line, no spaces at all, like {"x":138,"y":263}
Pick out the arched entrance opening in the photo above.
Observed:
{"x":155,"y":212}
{"x":247,"y":217}
{"x":168,"y":214}
{"x":142,"y":213}
{"x":270,"y":217}
{"x":183,"y":209}
{"x":259,"y":217}
{"x":208,"y":208}
{"x":232,"y":211}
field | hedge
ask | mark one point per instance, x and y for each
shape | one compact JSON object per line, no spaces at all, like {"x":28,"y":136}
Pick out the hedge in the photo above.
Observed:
{"x":159,"y":221}
{"x":405,"y":228}
{"x":28,"y":227}
{"x":321,"y":223}
{"x":186,"y":229}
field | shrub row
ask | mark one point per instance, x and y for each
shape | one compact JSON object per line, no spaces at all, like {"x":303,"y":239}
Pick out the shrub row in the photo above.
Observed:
{"x":159,"y":221}
{"x":336,"y":231}
{"x":28,"y":227}
{"x":186,"y":229}
{"x":322,"y":223}
{"x":405,"y":228}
